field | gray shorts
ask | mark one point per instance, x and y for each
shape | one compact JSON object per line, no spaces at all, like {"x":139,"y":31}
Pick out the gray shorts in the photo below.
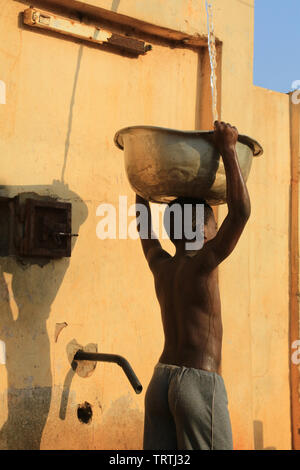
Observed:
{"x":186,"y":408}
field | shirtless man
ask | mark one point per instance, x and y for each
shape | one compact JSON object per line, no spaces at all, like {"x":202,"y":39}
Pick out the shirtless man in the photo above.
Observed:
{"x":186,"y":404}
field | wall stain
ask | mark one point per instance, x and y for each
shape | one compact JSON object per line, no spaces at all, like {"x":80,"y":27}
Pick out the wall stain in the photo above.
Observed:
{"x":122,"y":426}
{"x":70,"y":121}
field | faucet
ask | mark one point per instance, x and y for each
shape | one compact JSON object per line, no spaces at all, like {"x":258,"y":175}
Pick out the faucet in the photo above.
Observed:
{"x":121,"y":361}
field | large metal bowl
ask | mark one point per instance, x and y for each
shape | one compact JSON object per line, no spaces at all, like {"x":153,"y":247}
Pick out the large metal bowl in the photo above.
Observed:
{"x":163,"y":164}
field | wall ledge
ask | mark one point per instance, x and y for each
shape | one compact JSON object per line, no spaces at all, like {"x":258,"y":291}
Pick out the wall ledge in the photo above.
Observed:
{"x":80,"y":9}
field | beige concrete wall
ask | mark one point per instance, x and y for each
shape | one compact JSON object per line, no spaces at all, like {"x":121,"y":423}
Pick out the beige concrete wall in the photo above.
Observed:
{"x":65,"y":100}
{"x":254,"y":288}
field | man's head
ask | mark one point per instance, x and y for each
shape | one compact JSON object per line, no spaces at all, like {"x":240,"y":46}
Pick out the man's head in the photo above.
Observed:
{"x":190,"y":204}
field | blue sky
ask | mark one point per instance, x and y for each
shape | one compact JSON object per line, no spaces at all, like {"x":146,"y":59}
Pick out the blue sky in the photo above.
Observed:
{"x":276,"y":44}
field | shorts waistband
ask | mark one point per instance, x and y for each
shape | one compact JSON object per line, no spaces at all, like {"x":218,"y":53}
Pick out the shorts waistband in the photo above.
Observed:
{"x":173,"y":366}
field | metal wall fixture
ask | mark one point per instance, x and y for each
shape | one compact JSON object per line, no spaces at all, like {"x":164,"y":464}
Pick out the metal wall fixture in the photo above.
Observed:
{"x":35,"y":228}
{"x":58,"y":24}
{"x":121,"y":361}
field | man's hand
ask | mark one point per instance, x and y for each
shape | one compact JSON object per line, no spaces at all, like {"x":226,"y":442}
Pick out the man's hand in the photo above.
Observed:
{"x":218,"y":248}
{"x":225,"y":137}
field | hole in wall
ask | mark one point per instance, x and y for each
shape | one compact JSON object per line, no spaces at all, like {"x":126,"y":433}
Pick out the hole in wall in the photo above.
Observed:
{"x":84,"y":413}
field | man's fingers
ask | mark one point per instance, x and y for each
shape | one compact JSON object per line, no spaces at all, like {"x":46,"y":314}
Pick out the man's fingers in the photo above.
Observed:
{"x":221,"y":125}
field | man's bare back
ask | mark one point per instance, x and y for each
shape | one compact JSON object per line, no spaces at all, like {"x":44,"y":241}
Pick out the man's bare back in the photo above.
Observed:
{"x":191,"y":314}
{"x":187,"y":283}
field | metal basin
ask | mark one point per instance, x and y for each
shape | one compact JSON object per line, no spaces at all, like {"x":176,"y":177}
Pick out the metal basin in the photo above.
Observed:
{"x":162,"y":164}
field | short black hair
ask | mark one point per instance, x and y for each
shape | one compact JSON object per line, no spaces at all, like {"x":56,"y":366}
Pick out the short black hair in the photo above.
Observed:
{"x":208,"y":212}
{"x":181,"y":201}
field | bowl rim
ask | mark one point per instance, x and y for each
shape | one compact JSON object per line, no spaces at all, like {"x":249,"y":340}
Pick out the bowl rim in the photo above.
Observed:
{"x":244,"y":139}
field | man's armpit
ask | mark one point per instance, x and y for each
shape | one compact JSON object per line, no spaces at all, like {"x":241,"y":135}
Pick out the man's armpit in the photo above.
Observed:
{"x":155,"y":255}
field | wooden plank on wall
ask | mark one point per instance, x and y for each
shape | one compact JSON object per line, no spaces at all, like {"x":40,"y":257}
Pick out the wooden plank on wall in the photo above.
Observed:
{"x":294,"y":273}
{"x":83,"y":8}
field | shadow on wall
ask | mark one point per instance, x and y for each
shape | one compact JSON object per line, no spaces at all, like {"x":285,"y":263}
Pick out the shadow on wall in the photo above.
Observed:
{"x":27,"y":291}
{"x":259,"y":437}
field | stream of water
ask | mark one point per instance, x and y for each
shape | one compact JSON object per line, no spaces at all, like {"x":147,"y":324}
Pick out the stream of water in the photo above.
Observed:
{"x":212,"y":56}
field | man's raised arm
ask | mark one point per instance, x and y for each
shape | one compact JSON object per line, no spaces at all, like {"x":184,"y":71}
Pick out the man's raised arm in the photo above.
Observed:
{"x":151,"y":246}
{"x":239,"y":209}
